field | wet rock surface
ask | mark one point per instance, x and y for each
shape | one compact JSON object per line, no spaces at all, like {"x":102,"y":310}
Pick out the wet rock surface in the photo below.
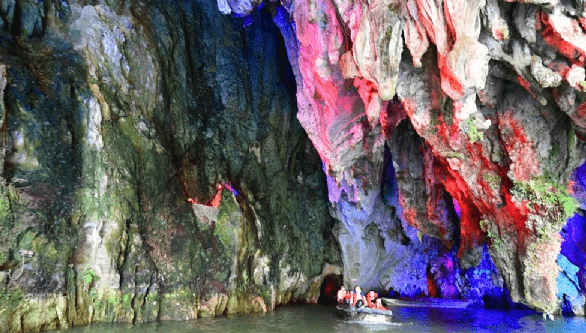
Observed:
{"x":153,"y":167}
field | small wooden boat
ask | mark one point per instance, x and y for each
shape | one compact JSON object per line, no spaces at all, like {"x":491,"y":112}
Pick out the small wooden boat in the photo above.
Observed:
{"x":364,"y":314}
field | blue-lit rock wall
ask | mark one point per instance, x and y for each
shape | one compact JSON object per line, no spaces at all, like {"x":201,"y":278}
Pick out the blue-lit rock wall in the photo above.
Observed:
{"x":572,"y":259}
{"x":382,"y":251}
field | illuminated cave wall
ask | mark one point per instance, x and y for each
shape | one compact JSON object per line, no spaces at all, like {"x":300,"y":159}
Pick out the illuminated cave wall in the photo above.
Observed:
{"x":162,"y":160}
{"x":480,"y":104}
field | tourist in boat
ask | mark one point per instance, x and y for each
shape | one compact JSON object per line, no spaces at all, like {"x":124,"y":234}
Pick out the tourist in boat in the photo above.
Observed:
{"x":393,"y":293}
{"x":371,"y":299}
{"x":358,"y":299}
{"x":342,"y":295}
{"x":348,"y":297}
{"x":378,"y":304}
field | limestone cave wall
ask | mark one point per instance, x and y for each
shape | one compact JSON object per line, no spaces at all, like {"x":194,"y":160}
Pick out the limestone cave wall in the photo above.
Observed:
{"x":153,"y":167}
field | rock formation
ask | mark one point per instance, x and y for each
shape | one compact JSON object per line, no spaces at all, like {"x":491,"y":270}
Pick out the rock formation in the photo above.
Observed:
{"x":492,"y":93}
{"x":151,"y":170}
{"x":178,"y":159}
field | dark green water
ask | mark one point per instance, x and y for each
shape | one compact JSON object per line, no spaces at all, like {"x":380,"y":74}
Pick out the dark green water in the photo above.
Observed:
{"x":315,"y":319}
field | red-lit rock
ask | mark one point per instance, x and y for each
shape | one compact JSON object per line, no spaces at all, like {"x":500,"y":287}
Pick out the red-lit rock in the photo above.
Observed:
{"x":565,"y":35}
{"x":340,"y":117}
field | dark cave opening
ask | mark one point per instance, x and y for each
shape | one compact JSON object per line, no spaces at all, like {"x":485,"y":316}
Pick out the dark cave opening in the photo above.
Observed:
{"x":286,"y":70}
{"x":263,"y":20}
{"x":329,"y":289}
{"x":432,"y":288}
{"x":390,"y":191}
{"x":455,"y":215}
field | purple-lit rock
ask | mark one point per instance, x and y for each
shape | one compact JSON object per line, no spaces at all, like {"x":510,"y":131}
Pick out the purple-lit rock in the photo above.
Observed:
{"x":457,"y":208}
{"x":487,"y":130}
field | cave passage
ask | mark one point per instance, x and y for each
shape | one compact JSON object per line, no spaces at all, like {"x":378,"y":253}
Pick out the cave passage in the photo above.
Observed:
{"x":329,"y":289}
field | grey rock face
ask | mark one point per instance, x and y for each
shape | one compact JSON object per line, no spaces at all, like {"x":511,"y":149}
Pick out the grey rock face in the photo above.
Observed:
{"x":153,"y":166}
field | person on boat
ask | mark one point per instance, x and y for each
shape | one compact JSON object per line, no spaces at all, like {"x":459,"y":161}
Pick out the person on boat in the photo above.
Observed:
{"x":358,"y":299}
{"x":371,"y":299}
{"x":393,"y":293}
{"x":378,"y":304}
{"x":348,"y":297}
{"x":342,"y":294}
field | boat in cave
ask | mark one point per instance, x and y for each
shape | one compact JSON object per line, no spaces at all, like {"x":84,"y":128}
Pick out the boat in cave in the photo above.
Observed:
{"x":363,"y":314}
{"x":427,"y":302}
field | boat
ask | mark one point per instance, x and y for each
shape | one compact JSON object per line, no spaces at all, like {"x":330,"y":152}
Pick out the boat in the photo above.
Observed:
{"x":426,"y":302}
{"x":363,"y":314}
